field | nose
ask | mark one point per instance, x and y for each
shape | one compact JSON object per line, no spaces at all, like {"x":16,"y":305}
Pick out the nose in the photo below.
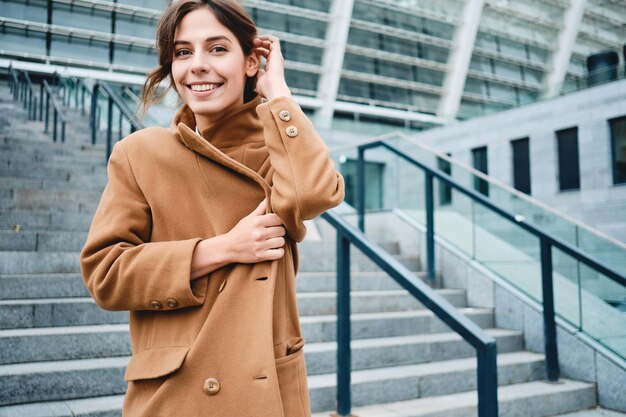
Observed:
{"x":200,"y":63}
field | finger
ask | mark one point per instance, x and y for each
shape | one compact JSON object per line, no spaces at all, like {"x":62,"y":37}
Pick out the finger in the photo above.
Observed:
{"x":272,"y":254}
{"x":271,"y":219}
{"x":274,"y":231}
{"x":263,"y":51}
{"x":275,"y":242}
{"x":260,"y":209}
{"x":274,"y":42}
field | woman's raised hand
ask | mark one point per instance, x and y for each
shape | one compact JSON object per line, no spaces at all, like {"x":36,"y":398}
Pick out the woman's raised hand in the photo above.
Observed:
{"x":257,"y":237}
{"x":271,"y":80}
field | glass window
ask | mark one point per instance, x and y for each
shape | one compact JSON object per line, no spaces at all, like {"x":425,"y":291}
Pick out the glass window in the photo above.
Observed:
{"x":80,"y":18}
{"x":299,"y":79}
{"x":32,"y":11}
{"x":80,"y":49}
{"x":373,"y":183}
{"x":479,"y":157}
{"x":301,"y":53}
{"x":134,"y":56}
{"x":618,"y":145}
{"x":135,"y":26}
{"x":22,"y":41}
{"x":569,"y":166}
{"x":521,"y":164}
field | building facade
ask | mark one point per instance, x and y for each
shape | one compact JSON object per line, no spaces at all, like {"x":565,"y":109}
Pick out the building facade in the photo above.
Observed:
{"x":356,"y":63}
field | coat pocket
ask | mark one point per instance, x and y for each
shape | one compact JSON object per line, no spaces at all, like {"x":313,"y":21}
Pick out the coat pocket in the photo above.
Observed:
{"x":156,"y":362}
{"x":294,"y":389}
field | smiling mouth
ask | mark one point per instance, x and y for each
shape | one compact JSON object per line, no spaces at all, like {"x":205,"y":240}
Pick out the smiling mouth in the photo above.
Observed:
{"x":203,"y":87}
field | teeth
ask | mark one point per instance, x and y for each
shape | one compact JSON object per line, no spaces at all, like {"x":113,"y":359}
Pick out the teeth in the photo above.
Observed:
{"x":204,"y":87}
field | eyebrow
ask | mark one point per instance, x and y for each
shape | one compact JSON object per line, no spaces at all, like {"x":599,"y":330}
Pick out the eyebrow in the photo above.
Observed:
{"x":207,"y":40}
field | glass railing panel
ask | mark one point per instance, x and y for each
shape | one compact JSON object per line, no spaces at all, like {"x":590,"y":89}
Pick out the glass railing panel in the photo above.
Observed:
{"x":603,"y":310}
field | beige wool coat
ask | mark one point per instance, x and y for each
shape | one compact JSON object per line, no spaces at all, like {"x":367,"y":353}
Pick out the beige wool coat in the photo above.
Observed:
{"x":227,"y":344}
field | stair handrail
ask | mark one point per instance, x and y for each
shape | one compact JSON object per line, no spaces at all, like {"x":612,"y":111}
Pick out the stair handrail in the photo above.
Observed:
{"x":113,"y":99}
{"x":57,"y":115}
{"x":546,"y":240}
{"x":485,"y":345}
{"x":23,"y":90}
{"x":14,"y":82}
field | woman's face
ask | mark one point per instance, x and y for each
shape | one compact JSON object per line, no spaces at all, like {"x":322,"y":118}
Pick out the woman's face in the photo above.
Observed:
{"x":209,"y":68}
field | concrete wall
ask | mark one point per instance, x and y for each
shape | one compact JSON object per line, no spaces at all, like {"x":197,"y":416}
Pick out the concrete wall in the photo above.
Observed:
{"x":598,"y":203}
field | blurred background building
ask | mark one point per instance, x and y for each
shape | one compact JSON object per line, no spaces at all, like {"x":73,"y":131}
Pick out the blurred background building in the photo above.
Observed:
{"x":522,"y":103}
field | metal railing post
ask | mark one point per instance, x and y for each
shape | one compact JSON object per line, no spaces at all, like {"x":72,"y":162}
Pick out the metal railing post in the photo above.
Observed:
{"x":109,"y":127}
{"x":487,"y":381}
{"x":54,"y":126}
{"x":45,"y":130}
{"x":430,"y":228}
{"x":93,"y":113}
{"x":549,"y":325}
{"x":360,"y":174}
{"x":63,"y":131}
{"x":344,"y":363}
{"x":41,"y":94}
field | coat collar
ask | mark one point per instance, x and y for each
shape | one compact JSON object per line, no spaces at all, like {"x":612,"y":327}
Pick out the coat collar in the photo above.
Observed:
{"x":234,"y":128}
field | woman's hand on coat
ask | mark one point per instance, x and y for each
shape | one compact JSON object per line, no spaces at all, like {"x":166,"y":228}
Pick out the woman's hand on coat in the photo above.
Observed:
{"x":257,"y":237}
{"x":271,"y":80}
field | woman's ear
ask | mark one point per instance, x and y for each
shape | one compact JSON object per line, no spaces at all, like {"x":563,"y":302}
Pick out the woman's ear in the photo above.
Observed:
{"x":252,"y":64}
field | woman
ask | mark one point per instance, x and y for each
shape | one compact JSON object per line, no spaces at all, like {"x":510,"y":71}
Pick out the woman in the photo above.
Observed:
{"x":196,"y":230}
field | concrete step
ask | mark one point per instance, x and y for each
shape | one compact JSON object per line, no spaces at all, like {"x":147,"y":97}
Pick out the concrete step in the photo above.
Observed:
{"x":514,"y":401}
{"x":404,"y":350}
{"x":40,"y":220}
{"x":359,"y":281}
{"x":358,"y":261}
{"x":530,"y":399}
{"x":388,"y":324}
{"x":49,"y":285}
{"x":30,"y":286}
{"x":76,"y":311}
{"x":45,"y":381}
{"x":110,"y":406}
{"x":64,"y":343}
{"x":76,"y":163}
{"x":81,"y":183}
{"x":53,"y":200}
{"x":48,"y":312}
{"x":22,"y":141}
{"x":409,"y":382}
{"x":42,"y":241}
{"x":12,"y":262}
{"x":98,"y":341}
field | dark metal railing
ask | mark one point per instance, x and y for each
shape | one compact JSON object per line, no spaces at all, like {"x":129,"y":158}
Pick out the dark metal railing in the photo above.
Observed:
{"x":546,"y":240}
{"x":57,"y":114}
{"x":485,"y":345}
{"x":113,"y":99}
{"x":22,"y":88}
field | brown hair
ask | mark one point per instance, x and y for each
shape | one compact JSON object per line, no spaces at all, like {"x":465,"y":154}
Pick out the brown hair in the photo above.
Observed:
{"x":229,"y":13}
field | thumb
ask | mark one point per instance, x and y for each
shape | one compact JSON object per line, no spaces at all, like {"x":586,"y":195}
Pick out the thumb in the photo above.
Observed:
{"x":260,"y":209}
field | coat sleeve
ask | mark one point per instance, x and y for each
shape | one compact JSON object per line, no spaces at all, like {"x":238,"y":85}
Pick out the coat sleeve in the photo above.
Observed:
{"x":304,"y":183}
{"x":120,"y":267}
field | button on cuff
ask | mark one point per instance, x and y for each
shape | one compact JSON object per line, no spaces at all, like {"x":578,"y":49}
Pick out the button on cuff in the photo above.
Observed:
{"x":156,"y":305}
{"x":291,"y":131}
{"x":172,"y":303}
{"x":284,"y":115}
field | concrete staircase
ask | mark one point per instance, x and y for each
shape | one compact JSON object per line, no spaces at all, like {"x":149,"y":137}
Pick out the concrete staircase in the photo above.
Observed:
{"x":60,"y":355}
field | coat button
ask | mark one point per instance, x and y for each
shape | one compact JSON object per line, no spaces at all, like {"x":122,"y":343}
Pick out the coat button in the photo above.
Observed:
{"x":292,"y":131}
{"x":172,"y":303}
{"x":284,"y":115}
{"x":211,"y":386}
{"x":155,"y":305}
{"x":222,"y":286}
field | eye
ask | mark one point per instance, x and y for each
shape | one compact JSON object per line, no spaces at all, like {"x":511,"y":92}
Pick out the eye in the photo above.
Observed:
{"x":218,"y":49}
{"x":182,"y":52}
